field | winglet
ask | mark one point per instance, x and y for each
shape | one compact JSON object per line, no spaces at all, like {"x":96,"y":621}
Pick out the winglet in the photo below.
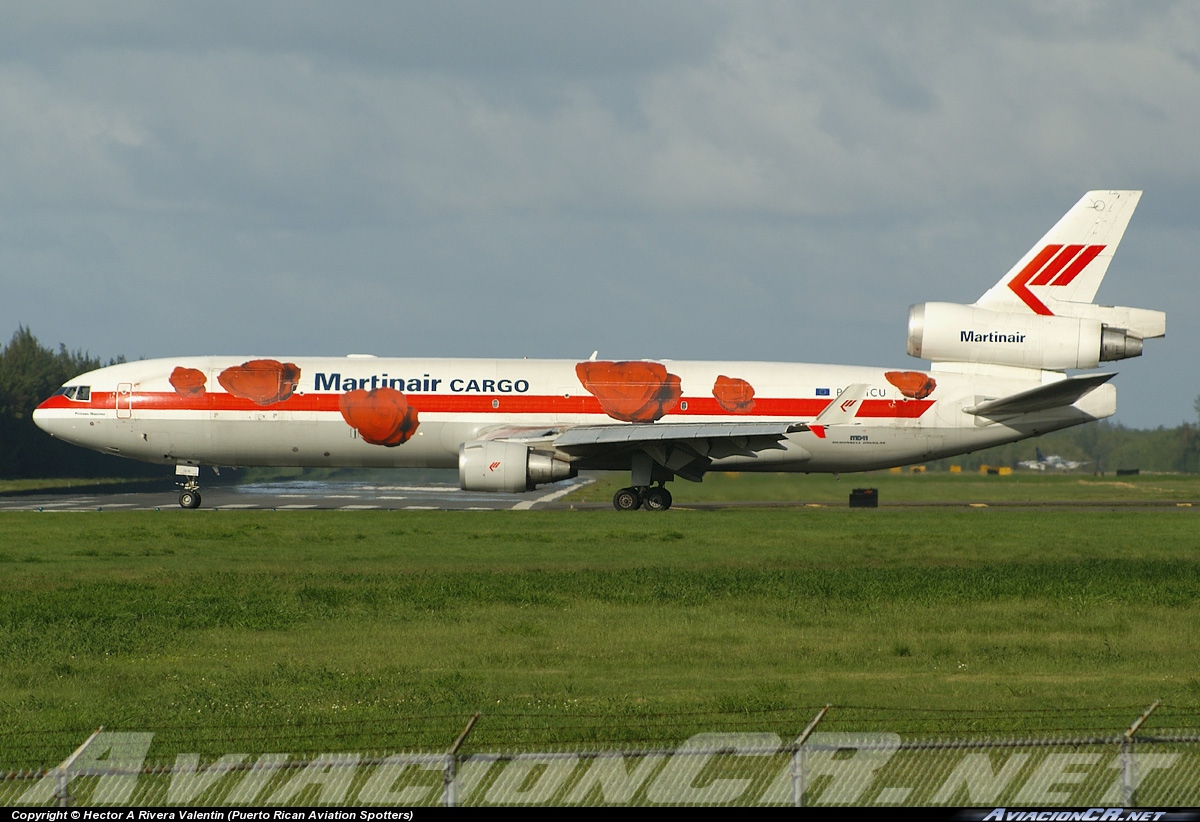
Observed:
{"x":842,"y":410}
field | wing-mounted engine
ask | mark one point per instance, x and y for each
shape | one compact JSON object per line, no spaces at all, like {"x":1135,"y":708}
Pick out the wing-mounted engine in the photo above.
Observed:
{"x":947,"y":332}
{"x":505,"y":465}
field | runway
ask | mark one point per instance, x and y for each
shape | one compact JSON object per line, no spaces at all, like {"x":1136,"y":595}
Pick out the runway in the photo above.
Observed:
{"x":295,"y":495}
{"x":428,"y":494}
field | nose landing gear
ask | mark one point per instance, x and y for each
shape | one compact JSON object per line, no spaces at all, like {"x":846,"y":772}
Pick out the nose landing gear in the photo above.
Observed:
{"x":189,"y":495}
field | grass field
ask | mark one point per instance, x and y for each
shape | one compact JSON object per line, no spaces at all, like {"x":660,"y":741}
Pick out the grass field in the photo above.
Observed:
{"x":22,"y":486}
{"x":1025,"y":487}
{"x":306,"y":631}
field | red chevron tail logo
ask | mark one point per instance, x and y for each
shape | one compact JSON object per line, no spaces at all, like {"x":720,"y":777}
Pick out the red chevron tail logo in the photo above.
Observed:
{"x":1054,"y":265}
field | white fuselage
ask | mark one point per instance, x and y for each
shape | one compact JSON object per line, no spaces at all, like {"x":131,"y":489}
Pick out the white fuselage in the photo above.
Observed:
{"x":190,"y":411}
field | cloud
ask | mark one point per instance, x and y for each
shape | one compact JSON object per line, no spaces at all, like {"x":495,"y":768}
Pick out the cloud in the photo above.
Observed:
{"x":797,"y":110}
{"x":492,"y":173}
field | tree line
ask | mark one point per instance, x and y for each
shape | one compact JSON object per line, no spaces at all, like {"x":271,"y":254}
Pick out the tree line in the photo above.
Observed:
{"x":30,"y":372}
{"x":1104,"y":446}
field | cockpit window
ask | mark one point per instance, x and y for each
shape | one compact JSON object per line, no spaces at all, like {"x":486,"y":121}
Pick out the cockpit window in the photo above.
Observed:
{"x":79,"y":393}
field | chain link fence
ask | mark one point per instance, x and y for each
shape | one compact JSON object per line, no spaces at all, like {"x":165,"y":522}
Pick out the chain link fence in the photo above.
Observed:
{"x":738,"y":769}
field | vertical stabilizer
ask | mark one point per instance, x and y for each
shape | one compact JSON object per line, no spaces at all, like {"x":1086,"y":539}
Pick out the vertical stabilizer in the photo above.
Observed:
{"x":1067,"y":265}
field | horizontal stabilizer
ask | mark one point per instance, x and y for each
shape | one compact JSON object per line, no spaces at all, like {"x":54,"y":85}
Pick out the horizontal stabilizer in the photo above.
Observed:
{"x":1053,"y":395}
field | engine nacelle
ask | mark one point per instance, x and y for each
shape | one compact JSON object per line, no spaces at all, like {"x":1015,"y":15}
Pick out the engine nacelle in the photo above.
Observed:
{"x":947,"y":332}
{"x":503,"y":465}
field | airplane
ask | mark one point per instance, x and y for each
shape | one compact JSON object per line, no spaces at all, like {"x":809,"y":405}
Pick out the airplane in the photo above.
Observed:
{"x":1054,"y":461}
{"x":998,"y":374}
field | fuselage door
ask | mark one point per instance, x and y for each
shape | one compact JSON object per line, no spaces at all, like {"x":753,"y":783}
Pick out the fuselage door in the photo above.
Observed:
{"x":124,"y":400}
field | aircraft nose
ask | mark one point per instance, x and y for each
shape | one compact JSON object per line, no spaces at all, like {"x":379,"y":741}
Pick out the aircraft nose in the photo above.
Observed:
{"x":44,"y":418}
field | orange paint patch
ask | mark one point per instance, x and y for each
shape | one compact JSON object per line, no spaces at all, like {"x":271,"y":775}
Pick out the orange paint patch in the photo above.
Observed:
{"x":912,"y":384}
{"x":381,"y":416}
{"x":734,"y":394}
{"x":631,"y":391}
{"x":188,"y":382}
{"x":263,"y":382}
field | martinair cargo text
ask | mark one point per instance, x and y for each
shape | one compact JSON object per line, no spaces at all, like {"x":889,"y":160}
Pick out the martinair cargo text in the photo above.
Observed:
{"x":999,"y":373}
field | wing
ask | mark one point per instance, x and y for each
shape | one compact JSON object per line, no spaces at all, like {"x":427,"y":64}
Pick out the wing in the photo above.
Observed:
{"x":684,"y":449}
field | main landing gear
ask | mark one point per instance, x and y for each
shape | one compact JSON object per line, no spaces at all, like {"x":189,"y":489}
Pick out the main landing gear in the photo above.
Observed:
{"x":642,"y":492}
{"x":652,"y":498}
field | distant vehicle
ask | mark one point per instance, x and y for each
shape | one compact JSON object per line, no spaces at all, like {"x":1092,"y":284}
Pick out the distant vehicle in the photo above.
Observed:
{"x":998,"y":376}
{"x":1053,"y":463}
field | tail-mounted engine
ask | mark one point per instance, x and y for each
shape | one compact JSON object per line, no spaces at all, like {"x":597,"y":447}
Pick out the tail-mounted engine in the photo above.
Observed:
{"x":504,"y":465}
{"x":947,"y":332}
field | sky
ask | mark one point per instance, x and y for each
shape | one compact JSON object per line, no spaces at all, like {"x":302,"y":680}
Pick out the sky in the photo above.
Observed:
{"x":687,"y":180}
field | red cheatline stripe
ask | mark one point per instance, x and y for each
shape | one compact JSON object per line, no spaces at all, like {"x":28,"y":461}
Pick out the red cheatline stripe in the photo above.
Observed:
{"x":1089,"y":254}
{"x":1056,"y":265}
{"x":507,"y":404}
